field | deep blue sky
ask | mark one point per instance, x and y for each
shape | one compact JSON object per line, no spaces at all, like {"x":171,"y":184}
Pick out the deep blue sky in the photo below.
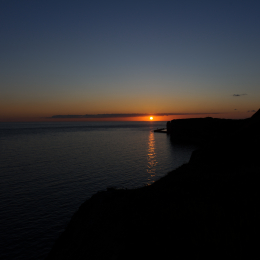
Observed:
{"x":87,"y":57}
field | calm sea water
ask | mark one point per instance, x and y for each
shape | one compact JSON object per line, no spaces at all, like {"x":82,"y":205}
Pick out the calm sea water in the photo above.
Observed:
{"x":48,"y":170}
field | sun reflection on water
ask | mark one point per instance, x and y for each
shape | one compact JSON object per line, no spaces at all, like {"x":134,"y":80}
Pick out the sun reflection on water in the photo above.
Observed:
{"x":151,"y":159}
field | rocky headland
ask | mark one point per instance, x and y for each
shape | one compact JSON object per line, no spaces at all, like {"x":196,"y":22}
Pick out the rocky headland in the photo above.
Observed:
{"x":207,"y":208}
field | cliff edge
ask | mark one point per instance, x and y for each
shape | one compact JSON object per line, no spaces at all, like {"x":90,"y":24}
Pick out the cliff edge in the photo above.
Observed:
{"x":206,"y":208}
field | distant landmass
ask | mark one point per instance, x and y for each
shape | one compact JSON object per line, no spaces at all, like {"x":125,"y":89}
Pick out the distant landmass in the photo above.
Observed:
{"x":206,"y":208}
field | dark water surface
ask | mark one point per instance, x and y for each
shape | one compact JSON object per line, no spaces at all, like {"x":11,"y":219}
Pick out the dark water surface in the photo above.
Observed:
{"x":48,"y":170}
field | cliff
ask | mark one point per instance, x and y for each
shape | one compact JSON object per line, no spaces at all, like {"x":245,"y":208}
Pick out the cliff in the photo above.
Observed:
{"x":206,"y":208}
{"x":201,"y":130}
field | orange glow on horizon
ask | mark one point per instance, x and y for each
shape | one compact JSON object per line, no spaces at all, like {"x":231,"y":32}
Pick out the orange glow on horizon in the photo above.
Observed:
{"x":140,"y":118}
{"x":49,"y":119}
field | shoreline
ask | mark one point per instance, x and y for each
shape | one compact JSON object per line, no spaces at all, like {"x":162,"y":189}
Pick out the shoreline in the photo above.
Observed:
{"x":206,"y":207}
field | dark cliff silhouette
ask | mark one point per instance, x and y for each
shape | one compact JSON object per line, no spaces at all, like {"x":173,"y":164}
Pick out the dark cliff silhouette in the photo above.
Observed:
{"x":206,"y":208}
{"x":200,"y":130}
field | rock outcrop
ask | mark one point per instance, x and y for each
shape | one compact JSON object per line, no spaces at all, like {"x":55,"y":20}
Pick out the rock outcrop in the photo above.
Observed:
{"x":205,"y":209}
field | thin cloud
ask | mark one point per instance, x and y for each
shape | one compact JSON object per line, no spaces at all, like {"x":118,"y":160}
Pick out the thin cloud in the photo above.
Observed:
{"x":125,"y":115}
{"x":238,"y":95}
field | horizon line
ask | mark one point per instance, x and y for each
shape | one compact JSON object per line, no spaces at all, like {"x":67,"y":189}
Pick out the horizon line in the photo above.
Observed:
{"x":126,"y":115}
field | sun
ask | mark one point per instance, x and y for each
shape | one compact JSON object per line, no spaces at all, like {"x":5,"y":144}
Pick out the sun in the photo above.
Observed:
{"x":151,"y":118}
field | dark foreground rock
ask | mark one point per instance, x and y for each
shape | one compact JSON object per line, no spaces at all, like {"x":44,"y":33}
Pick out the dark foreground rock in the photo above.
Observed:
{"x":207,"y":208}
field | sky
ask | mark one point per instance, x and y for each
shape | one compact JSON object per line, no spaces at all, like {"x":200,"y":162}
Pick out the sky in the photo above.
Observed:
{"x":127,"y":60}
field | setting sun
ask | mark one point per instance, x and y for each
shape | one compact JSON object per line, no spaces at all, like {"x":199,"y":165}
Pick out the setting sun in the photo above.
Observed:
{"x":151,"y":118}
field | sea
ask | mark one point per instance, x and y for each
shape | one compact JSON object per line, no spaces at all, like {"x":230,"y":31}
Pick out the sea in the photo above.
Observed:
{"x":48,"y":169}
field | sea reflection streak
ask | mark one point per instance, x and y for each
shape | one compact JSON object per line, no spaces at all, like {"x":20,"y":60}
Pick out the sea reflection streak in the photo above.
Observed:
{"x":151,"y":158}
